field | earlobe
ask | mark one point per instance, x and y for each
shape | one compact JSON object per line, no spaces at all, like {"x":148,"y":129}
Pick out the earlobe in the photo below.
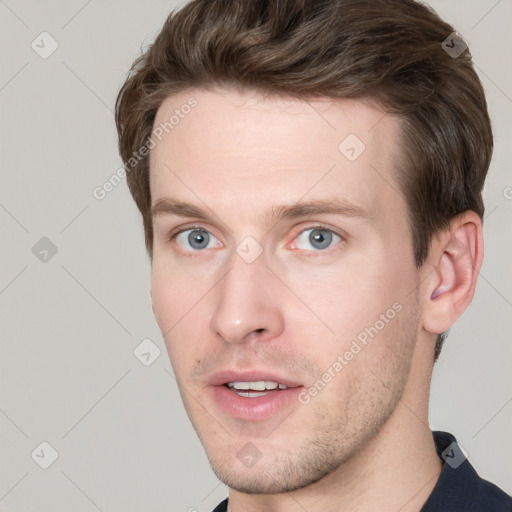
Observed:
{"x":457,"y":255}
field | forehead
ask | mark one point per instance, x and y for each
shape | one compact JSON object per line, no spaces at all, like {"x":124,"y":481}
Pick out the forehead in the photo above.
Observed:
{"x":233,"y":146}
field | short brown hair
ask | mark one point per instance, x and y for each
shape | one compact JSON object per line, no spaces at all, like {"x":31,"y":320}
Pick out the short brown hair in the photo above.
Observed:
{"x":390,"y":51}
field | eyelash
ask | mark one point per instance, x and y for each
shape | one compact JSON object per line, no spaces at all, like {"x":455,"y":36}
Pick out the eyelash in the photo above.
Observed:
{"x":172,"y":236}
{"x":174,"y":233}
{"x":319,"y":227}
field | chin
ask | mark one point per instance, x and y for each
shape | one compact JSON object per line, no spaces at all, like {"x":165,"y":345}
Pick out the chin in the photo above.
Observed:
{"x":250,"y":481}
{"x":278,"y":474}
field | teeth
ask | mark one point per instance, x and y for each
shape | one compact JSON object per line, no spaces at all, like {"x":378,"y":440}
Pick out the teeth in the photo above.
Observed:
{"x":256,"y":386}
{"x":254,"y":394}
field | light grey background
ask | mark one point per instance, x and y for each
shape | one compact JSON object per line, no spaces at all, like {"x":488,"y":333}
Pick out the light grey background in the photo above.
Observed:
{"x":69,"y":326}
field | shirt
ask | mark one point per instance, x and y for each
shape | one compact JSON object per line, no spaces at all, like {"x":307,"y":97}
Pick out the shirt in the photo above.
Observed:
{"x":459,"y":488}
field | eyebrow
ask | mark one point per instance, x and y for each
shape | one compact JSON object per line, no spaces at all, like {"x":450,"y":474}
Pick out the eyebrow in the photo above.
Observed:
{"x":335,"y":206}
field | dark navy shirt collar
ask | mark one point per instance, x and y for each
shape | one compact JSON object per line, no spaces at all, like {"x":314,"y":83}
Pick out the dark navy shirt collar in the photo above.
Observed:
{"x":459,"y":487}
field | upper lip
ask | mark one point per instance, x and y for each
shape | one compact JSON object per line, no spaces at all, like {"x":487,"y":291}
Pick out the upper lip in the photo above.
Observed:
{"x":224,"y":376}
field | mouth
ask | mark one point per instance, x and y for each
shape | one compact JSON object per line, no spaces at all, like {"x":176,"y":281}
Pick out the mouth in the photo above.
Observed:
{"x":253,"y":396}
{"x":255,"y":389}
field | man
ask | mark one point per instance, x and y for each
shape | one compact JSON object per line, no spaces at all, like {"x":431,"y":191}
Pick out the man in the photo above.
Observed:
{"x":310,"y":176}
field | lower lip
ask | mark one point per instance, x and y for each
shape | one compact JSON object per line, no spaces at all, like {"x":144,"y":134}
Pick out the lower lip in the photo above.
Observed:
{"x":254,"y":409}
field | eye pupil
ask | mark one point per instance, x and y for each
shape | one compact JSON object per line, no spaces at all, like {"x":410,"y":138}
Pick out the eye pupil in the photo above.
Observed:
{"x":198,"y":239}
{"x":320,"y":239}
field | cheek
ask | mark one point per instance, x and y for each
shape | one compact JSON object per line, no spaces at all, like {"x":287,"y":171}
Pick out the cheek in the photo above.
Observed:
{"x":163,"y":298}
{"x":174,"y":293}
{"x":179,"y":304}
{"x":346,"y":299}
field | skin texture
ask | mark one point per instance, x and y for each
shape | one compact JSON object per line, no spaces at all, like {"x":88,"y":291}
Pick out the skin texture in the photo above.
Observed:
{"x":363,"y":441}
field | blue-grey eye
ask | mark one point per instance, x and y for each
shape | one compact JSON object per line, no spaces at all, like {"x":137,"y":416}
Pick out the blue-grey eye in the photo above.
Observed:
{"x":196,"y":239}
{"x":317,"y":239}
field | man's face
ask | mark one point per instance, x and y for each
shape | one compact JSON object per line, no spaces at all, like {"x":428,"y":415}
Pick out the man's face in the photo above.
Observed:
{"x":301,"y":274}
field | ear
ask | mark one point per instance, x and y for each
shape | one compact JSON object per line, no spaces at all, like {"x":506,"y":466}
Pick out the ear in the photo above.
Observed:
{"x":456,"y":255}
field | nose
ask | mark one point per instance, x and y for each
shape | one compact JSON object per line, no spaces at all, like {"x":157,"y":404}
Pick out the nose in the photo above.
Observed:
{"x":247,"y":303}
